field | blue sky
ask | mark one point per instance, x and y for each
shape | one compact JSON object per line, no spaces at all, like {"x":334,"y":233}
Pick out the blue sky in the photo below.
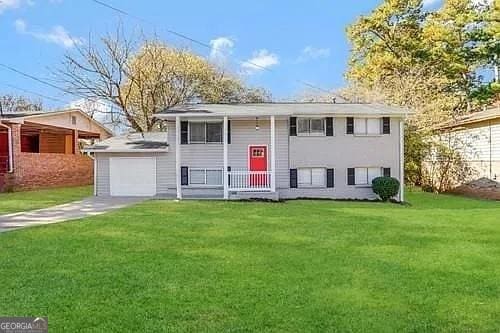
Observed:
{"x":296,"y":40}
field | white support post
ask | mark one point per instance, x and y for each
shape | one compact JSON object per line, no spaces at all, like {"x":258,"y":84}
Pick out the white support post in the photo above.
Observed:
{"x":273,"y":154}
{"x":402,"y":159}
{"x":225,"y":173}
{"x":178,"y":156}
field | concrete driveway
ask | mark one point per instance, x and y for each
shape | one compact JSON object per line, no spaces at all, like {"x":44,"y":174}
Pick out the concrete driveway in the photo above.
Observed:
{"x":70,"y":211}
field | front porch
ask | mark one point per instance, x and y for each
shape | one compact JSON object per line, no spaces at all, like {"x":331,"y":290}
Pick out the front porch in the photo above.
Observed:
{"x":248,"y":164}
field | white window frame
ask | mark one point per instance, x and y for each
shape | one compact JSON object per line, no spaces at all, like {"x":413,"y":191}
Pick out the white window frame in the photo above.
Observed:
{"x":204,"y":184}
{"x":366,"y":133}
{"x":311,"y":184}
{"x":205,"y":122}
{"x":366,"y":182}
{"x":309,"y":133}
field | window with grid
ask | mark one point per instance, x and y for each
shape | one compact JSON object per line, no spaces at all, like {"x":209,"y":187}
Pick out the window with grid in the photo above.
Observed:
{"x":311,"y":177}
{"x":310,"y":126}
{"x":200,"y":176}
{"x":367,"y":126}
{"x":365,"y":176}
{"x":205,"y":132}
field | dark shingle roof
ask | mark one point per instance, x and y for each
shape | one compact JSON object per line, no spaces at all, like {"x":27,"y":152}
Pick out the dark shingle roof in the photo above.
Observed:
{"x":136,"y":142}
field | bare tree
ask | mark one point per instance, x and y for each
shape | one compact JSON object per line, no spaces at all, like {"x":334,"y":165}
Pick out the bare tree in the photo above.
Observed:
{"x":12,"y":104}
{"x":142,"y":77}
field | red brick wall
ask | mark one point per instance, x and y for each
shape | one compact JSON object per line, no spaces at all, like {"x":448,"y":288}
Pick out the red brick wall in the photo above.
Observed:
{"x":50,"y":170}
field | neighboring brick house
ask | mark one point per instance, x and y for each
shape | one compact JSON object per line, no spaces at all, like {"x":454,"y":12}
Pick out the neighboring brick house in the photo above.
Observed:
{"x":39,"y":150}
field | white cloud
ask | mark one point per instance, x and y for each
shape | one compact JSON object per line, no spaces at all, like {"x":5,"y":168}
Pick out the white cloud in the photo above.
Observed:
{"x":480,"y":3}
{"x":57,"y":35}
{"x":259,"y":61}
{"x":310,"y":52}
{"x":222,"y":48}
{"x":430,"y":3}
{"x":9,"y":4}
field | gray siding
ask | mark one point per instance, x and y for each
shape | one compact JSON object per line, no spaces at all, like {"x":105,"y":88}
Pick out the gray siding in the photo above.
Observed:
{"x":340,"y":152}
{"x":243,"y":134}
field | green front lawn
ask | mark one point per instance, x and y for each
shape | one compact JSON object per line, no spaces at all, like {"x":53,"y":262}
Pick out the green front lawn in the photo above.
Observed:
{"x":312,"y":266}
{"x":23,"y":201}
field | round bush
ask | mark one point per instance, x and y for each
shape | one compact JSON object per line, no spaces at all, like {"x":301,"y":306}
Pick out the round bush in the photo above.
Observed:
{"x":385,"y":187}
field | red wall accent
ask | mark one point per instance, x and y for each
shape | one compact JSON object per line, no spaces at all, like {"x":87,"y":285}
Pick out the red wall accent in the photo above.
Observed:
{"x":4,"y":144}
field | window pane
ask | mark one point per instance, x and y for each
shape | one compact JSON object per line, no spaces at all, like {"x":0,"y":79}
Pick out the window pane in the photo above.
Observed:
{"x":214,"y":132}
{"x":303,"y":125}
{"x":361,"y":176}
{"x":197,"y":132}
{"x":197,"y":177}
{"x":317,"y":126}
{"x":318,"y":177}
{"x":359,"y":126}
{"x":214,"y":177}
{"x":374,"y":173}
{"x":373,"y":126}
{"x":304,"y":177}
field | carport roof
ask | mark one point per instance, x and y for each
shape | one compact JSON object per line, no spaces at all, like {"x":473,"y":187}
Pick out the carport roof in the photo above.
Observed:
{"x":132,"y":143}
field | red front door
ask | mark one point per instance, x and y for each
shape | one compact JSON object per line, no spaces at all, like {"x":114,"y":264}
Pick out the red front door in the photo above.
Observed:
{"x":257,"y":157}
{"x":4,"y":152}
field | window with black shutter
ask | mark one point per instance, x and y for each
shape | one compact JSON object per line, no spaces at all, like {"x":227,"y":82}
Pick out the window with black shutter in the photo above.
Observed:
{"x":184,"y":132}
{"x":229,"y":132}
{"x":386,"y":127}
{"x":387,"y":172}
{"x":350,"y":125}
{"x":293,"y":178}
{"x":351,"y":179}
{"x":329,"y":126}
{"x":330,"y":178}
{"x":293,"y":126}
{"x":184,"y":175}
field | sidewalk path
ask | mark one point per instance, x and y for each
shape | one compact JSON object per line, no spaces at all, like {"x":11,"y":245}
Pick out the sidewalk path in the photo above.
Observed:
{"x":70,"y":211}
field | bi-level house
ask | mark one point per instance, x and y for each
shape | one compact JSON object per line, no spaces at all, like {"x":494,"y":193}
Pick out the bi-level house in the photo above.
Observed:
{"x":269,"y":150}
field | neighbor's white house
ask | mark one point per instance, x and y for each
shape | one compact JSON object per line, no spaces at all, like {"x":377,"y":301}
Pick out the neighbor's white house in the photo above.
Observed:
{"x":269,"y":150}
{"x":477,"y":137}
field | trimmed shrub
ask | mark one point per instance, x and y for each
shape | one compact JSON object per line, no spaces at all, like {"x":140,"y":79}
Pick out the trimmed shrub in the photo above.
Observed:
{"x":385,"y":187}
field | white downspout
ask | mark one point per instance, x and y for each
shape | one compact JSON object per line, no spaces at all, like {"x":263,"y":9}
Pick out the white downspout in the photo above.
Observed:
{"x":9,"y":137}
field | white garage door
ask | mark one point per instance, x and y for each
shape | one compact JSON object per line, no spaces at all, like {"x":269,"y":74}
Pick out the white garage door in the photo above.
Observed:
{"x":132,"y":176}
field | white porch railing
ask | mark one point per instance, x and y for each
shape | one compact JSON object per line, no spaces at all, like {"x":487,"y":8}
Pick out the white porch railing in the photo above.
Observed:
{"x":249,"y":181}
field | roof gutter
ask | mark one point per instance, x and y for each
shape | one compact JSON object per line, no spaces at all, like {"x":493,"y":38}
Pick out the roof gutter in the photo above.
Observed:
{"x":90,"y":150}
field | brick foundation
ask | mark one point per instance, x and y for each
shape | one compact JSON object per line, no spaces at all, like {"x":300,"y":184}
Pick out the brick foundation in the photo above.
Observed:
{"x":49,"y":170}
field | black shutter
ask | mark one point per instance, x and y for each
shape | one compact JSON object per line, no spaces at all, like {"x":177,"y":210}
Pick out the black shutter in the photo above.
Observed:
{"x":387,"y":172}
{"x":329,"y":126}
{"x":228,"y":176}
{"x":229,"y":132}
{"x":350,"y":177}
{"x":293,"y":178}
{"x":184,"y":132}
{"x":184,"y":175}
{"x":293,"y":126}
{"x":350,"y":125}
{"x":386,"y":128}
{"x":330,"y":182}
